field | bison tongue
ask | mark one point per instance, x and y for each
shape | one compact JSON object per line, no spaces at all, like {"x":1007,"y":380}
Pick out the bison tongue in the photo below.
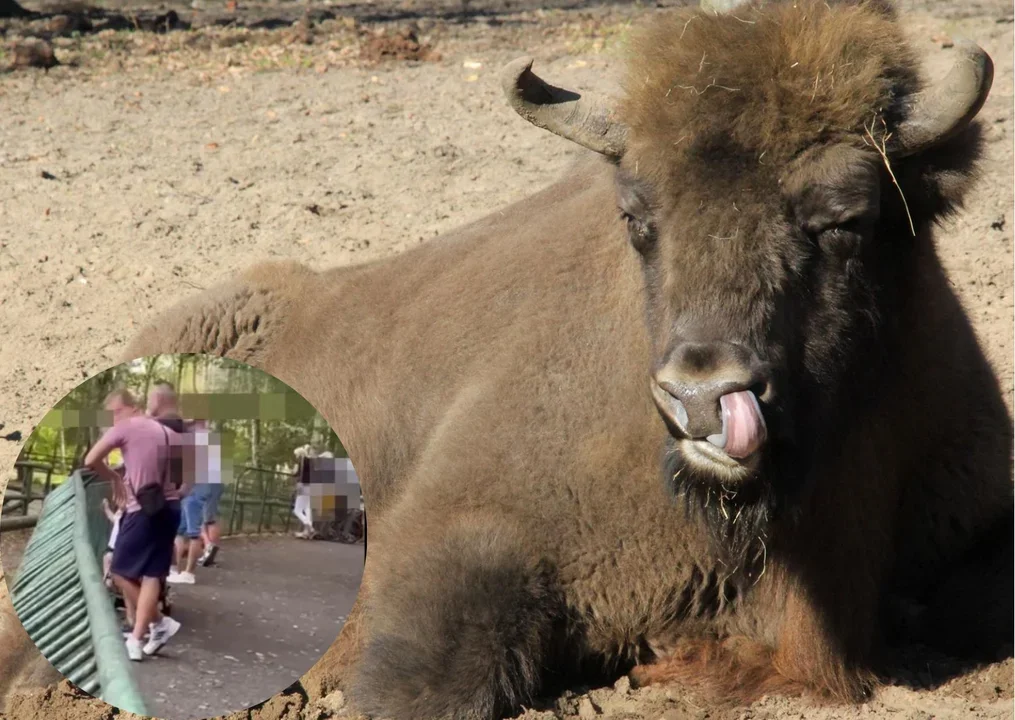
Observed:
{"x":743,"y":426}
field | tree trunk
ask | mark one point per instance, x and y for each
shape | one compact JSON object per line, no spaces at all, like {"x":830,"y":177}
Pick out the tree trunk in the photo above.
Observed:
{"x":148,"y":370}
{"x":255,"y":441}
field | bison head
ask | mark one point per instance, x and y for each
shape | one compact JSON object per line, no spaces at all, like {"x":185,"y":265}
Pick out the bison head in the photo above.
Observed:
{"x":776,"y":172}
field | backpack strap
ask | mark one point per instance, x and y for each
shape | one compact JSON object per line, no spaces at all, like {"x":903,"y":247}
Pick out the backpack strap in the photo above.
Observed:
{"x":165,"y":463}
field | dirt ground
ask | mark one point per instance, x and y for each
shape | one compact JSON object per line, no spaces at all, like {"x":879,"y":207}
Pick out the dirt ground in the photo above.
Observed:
{"x":150,"y":164}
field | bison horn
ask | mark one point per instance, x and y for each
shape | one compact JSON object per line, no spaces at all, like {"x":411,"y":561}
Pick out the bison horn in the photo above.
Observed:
{"x":943,"y":110}
{"x":584,"y":119}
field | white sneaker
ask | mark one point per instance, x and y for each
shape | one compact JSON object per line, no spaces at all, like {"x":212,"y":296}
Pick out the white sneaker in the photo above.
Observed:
{"x":134,"y":648}
{"x":184,"y":578}
{"x":160,"y":634}
{"x":208,"y":558}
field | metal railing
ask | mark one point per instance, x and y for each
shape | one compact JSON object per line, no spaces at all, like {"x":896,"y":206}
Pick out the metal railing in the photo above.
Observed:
{"x":257,"y":493}
{"x":60,"y":599}
{"x":260,"y":500}
{"x":25,"y":490}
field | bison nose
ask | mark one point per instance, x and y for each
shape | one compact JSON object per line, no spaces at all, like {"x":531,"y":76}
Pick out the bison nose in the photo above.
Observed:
{"x":710,"y":392}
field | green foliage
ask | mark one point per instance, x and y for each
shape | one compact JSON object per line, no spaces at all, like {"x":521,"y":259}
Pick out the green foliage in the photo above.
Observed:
{"x":262,"y":420}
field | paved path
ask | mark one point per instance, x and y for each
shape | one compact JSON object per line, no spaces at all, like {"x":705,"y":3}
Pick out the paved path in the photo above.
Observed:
{"x":252,"y":625}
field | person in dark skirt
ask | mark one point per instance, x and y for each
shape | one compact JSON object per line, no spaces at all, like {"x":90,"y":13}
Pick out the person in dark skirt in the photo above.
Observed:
{"x":144,"y":544}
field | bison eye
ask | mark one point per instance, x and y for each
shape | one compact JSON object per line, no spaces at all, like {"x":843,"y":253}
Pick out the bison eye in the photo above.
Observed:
{"x":639,"y":232}
{"x":843,"y":237}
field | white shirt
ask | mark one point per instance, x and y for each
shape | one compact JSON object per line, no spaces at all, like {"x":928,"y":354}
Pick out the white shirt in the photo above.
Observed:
{"x":209,"y":457}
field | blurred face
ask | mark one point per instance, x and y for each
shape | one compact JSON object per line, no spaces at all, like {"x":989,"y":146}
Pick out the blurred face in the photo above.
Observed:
{"x":119,"y":411}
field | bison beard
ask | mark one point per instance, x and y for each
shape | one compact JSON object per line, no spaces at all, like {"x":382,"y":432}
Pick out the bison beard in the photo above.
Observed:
{"x":737,"y":519}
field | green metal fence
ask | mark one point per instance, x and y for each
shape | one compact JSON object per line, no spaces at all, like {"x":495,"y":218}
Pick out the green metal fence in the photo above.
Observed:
{"x":257,"y":500}
{"x":36,"y":477}
{"x":59,"y":596}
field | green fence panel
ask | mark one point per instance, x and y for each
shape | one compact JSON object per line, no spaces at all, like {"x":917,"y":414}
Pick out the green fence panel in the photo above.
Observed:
{"x":60,"y":598}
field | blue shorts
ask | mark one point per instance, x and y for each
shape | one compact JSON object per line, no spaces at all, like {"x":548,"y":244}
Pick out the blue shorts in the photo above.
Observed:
{"x":191,"y":510}
{"x":200,"y":507}
{"x":210,"y":493}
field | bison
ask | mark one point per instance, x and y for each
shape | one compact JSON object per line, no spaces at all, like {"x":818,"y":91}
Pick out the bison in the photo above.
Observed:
{"x":705,"y":407}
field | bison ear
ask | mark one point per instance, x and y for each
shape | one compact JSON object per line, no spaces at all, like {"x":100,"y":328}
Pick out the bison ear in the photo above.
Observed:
{"x":935,"y":182}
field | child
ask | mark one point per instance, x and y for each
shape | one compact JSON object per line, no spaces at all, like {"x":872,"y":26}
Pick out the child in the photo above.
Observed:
{"x":107,"y":558}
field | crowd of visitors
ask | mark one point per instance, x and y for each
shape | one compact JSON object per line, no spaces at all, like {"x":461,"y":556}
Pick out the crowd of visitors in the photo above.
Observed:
{"x":164,"y":505}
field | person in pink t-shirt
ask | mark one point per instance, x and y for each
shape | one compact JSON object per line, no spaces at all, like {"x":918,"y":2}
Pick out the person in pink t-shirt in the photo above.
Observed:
{"x":144,"y":544}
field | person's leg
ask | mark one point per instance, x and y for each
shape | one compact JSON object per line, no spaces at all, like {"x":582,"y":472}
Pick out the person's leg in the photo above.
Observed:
{"x":130,"y":590}
{"x":180,"y":546}
{"x":130,"y":555}
{"x":194,"y":510}
{"x":298,"y":512}
{"x":190,"y":510}
{"x":310,"y":519}
{"x":162,"y":627}
{"x":302,"y":512}
{"x":193,"y":554}
{"x":147,"y":606}
{"x":211,"y":529}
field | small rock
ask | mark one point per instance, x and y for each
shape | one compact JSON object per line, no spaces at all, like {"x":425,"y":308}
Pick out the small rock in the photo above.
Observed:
{"x":943,"y":40}
{"x":67,"y":24}
{"x":34,"y":52}
{"x":998,"y":224}
{"x":587,"y":709}
{"x":333,"y":701}
{"x":623,"y":685}
{"x":302,"y":31}
{"x":994,"y":132}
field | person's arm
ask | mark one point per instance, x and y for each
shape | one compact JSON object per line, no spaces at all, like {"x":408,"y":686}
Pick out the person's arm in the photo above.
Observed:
{"x":95,"y":460}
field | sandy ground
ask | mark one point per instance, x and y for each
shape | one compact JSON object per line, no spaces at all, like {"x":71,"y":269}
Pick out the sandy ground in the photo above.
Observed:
{"x":162,"y":162}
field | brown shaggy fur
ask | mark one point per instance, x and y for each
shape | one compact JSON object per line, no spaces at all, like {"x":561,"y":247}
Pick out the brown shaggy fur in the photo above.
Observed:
{"x":492,"y":388}
{"x":789,"y":77}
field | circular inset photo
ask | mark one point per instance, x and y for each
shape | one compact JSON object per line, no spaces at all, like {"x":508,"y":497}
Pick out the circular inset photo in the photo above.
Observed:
{"x":184,"y":536}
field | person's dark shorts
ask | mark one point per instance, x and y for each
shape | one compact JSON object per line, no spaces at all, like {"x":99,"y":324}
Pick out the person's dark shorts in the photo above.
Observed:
{"x":144,"y":547}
